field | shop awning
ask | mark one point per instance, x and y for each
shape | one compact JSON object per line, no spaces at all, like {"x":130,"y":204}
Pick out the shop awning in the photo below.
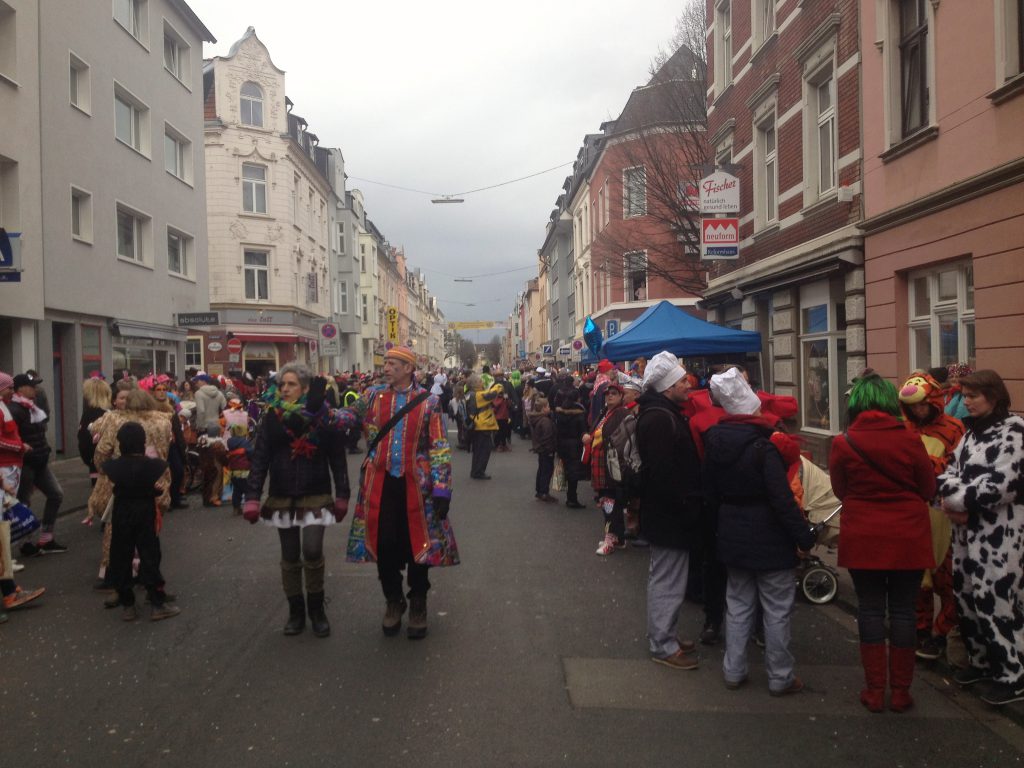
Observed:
{"x":140,"y":330}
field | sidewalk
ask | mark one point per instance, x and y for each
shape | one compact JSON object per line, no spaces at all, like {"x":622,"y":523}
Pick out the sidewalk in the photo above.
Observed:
{"x":73,"y":476}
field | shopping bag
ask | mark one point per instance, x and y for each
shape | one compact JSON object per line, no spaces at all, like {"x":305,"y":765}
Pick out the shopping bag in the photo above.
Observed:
{"x":22,"y":521}
{"x":558,"y":480}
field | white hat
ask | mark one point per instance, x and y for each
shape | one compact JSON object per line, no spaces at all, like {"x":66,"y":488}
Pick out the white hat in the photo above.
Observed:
{"x":733,"y":393}
{"x":630,"y":382}
{"x":662,"y":372}
{"x":540,"y":369}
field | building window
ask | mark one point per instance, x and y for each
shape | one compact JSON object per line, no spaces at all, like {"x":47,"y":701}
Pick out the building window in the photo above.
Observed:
{"x":132,"y":235}
{"x":634,"y":192}
{"x":8,"y":41}
{"x":177,"y":154}
{"x":1018,"y":9}
{"x":176,"y":54}
{"x":131,"y":121}
{"x":81,"y":215}
{"x":913,"y":66}
{"x":723,"y":46}
{"x":79,"y":90}
{"x":312,"y":288}
{"x":821,"y":92}
{"x":362,"y":258}
{"x":341,"y":237}
{"x":766,"y":206}
{"x":941,"y":316}
{"x":251,"y":105}
{"x":131,"y":14}
{"x":254,"y":188}
{"x":194,"y":352}
{"x":366,"y":309}
{"x":822,"y":353}
{"x":257,"y":276}
{"x":635,"y":271}
{"x":763,"y":14}
{"x":179,"y":253}
{"x":343,"y":297}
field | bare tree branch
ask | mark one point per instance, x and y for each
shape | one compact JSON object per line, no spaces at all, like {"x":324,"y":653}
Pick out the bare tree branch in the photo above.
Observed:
{"x":662,"y":129}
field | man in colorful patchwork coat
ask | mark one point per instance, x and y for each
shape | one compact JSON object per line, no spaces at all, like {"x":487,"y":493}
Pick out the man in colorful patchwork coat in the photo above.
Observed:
{"x":401,"y":519}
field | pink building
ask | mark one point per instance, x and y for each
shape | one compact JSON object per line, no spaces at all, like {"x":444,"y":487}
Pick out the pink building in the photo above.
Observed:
{"x":943,"y":175}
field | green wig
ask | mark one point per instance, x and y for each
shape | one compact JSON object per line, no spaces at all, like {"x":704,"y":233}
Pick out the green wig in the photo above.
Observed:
{"x":873,"y":393}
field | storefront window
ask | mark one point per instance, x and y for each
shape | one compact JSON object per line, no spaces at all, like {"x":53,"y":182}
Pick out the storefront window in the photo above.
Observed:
{"x":92,"y":351}
{"x":140,"y":360}
{"x":822,"y":354}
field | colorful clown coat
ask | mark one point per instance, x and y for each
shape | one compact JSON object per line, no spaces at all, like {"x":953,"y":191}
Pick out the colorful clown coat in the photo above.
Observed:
{"x":417,"y":449}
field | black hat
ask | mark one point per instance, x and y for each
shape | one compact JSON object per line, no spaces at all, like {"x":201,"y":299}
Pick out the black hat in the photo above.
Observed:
{"x":23,"y":380}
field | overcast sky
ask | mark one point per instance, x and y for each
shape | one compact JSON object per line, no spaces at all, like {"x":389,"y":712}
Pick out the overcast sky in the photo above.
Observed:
{"x":450,"y":96}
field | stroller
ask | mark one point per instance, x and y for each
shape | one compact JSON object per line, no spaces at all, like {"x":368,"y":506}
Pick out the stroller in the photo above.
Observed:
{"x":818,"y":582}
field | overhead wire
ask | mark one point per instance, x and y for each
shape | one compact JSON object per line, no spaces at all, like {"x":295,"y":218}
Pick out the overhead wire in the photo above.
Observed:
{"x":459,"y":194}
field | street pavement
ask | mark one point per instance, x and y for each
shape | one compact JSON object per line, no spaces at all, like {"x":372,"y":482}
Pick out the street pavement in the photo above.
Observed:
{"x":536,"y":656}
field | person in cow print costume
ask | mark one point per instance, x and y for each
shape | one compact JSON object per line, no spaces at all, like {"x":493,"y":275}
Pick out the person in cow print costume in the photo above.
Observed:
{"x":982,"y":491}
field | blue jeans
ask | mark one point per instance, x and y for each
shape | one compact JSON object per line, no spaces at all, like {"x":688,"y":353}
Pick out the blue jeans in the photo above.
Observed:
{"x":776,"y":590}
{"x":880,"y":590}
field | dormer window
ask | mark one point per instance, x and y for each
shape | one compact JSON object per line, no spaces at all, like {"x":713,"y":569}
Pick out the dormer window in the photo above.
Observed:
{"x":251,"y":105}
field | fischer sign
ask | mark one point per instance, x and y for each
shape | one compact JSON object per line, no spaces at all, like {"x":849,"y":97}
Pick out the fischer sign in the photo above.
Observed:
{"x":719,"y":238}
{"x":720,"y":193}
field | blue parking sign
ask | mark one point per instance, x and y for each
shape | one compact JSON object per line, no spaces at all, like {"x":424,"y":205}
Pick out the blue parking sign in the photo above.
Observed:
{"x":611,"y":327}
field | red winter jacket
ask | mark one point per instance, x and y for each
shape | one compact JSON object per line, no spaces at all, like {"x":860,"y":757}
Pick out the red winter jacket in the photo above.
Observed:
{"x":11,"y":454}
{"x":885,"y":523}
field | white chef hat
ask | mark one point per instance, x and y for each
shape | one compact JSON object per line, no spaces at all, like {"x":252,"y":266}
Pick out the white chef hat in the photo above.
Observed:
{"x":663,"y":370}
{"x":732,"y":392}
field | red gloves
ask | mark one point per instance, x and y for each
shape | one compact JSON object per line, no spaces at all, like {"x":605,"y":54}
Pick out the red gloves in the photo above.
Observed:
{"x":251,"y":511}
{"x":340,"y":509}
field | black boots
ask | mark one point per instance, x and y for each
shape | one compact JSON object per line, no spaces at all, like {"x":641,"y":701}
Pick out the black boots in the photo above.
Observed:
{"x":296,"y":615}
{"x":317,"y":617}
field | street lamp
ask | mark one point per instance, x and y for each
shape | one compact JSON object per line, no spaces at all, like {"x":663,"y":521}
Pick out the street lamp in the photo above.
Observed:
{"x":447,"y":199}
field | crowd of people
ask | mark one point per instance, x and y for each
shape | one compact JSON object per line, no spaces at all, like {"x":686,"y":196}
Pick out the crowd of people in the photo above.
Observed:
{"x":704,"y":470}
{"x":700,"y":467}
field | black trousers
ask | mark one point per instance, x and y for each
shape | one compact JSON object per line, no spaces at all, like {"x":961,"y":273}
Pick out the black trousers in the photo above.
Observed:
{"x":503,"y":437}
{"x":135,"y":530}
{"x":481,"y":452}
{"x":177,"y":465}
{"x":394,"y":551}
{"x":714,"y":575}
{"x":545,"y":470}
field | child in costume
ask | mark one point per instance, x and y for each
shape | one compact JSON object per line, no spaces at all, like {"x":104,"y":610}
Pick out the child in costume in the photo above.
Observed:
{"x":923,"y":403}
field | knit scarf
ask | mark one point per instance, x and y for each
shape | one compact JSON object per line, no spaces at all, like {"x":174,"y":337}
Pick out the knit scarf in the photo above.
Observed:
{"x":305,"y":440}
{"x":36,"y":414}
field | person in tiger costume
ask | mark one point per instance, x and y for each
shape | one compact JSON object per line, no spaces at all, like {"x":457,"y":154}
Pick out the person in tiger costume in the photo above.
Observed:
{"x":923,"y":404}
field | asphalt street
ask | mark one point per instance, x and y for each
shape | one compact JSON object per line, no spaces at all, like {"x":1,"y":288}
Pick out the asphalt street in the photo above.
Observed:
{"x":536,"y":656}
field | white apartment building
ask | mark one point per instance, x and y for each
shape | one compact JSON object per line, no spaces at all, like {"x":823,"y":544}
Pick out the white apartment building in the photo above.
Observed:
{"x":100,"y":126}
{"x":267,"y":217}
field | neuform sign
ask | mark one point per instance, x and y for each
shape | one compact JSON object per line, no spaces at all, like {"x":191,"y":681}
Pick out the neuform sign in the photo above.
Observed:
{"x":719,"y":238}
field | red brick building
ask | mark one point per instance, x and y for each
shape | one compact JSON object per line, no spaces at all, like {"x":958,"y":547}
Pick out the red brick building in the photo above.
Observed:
{"x":646,"y":158}
{"x":783,"y":109}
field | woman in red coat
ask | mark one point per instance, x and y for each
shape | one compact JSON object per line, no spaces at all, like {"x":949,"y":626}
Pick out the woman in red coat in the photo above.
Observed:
{"x":882,"y":473}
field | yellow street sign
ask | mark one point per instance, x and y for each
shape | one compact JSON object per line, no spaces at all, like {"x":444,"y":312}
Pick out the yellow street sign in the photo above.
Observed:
{"x":392,"y":321}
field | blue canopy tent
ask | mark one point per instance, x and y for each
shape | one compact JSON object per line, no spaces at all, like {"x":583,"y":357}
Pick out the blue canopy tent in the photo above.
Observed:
{"x":665,"y":326}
